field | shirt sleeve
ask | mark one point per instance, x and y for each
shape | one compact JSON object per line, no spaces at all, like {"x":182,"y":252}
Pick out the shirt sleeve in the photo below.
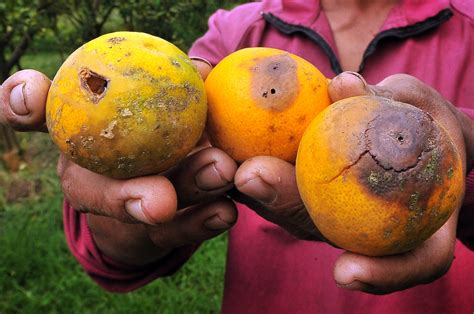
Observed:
{"x":211,"y":46}
{"x":229,"y":31}
{"x":109,"y":274}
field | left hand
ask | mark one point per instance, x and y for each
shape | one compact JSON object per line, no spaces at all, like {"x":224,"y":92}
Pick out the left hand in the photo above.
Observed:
{"x":268,"y":186}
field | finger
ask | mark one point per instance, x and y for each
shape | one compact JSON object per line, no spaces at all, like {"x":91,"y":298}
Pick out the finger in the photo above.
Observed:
{"x":268,"y":186}
{"x":195,"y":224}
{"x":348,"y":84}
{"x":205,"y":174}
{"x":150,"y":200}
{"x":382,"y":275}
{"x":203,"y":66}
{"x":23,"y":100}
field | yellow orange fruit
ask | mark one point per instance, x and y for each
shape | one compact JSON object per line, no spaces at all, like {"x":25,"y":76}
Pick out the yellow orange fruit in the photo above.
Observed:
{"x":126,"y":104}
{"x":378,"y":177}
{"x":260,"y":102}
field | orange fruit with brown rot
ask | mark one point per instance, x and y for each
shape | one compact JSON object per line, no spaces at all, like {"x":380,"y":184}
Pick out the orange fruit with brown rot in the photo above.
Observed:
{"x":126,"y":104}
{"x":378,"y":177}
{"x":260,"y":100}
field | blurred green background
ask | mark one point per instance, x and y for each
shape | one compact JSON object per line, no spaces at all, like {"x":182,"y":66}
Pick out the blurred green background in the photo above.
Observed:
{"x":37,"y":272}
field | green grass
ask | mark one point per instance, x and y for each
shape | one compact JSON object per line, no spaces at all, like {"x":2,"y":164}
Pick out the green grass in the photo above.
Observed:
{"x":39,"y":275}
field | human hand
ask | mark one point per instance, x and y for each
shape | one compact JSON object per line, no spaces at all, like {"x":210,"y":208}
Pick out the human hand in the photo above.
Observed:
{"x":137,"y":220}
{"x":268,"y":186}
{"x":23,"y":100}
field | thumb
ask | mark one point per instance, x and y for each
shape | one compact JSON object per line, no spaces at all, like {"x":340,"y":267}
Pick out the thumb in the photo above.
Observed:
{"x":348,"y":84}
{"x":382,"y":275}
{"x":23,"y":101}
{"x":150,"y":199}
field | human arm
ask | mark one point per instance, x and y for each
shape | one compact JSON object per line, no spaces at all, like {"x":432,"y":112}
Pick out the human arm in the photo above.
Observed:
{"x":120,"y":231}
{"x":277,"y":201}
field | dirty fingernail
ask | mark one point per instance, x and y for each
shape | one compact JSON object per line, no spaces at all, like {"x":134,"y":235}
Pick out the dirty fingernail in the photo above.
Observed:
{"x":215,"y":223}
{"x":258,"y":189}
{"x":134,"y":208}
{"x":355,"y":285}
{"x":17,"y":100}
{"x":209,"y":178}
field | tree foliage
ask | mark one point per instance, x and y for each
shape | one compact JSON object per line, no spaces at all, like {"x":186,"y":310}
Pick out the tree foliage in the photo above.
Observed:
{"x":87,"y":18}
{"x":20,"y":22}
{"x":180,"y":22}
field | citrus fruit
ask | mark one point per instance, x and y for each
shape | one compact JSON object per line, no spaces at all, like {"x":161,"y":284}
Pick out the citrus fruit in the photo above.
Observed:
{"x":378,"y":177}
{"x":126,"y":104}
{"x":261,"y":100}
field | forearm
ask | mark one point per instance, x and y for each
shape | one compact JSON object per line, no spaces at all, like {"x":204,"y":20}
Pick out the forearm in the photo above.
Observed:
{"x":126,"y":243}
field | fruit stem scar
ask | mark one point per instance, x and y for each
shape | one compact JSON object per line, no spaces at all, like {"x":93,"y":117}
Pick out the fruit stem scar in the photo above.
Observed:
{"x":94,"y":84}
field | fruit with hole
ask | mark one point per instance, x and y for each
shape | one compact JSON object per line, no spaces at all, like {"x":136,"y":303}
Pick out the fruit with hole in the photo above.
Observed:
{"x":126,"y":104}
{"x":378,"y":177}
{"x":261,"y":100}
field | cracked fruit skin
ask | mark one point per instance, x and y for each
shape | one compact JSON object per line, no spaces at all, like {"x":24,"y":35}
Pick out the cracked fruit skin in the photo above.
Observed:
{"x":378,"y":177}
{"x":126,"y":104}
{"x":260,"y":102}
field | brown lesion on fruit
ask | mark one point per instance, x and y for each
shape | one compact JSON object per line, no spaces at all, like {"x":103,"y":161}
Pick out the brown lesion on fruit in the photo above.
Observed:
{"x":174,"y":97}
{"x":116,"y":40}
{"x":274,"y":82}
{"x":94,"y":84}
{"x":404,"y":157}
{"x":413,"y":201}
{"x":87,"y":141}
{"x":175,"y":63}
{"x":397,"y":138}
{"x":71,"y":148}
{"x":108,"y":131}
{"x":125,"y":112}
{"x":387,"y":233}
{"x":140,"y":74}
{"x":450,"y":172}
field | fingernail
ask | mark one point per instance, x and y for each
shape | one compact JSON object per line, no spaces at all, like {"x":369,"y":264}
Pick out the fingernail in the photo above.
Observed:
{"x":258,"y":189}
{"x":134,"y":208}
{"x":209,"y":178}
{"x":17,"y":100}
{"x":355,"y":285}
{"x":215,"y":223}
{"x":361,"y":79}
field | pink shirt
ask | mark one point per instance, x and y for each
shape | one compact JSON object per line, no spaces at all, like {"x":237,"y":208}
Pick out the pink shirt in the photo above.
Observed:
{"x":268,"y":270}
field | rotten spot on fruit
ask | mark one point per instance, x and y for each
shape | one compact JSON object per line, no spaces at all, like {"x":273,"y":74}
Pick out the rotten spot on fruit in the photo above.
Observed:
{"x":116,"y":40}
{"x":274,"y":82}
{"x":396,"y":139}
{"x":450,"y":172}
{"x":175,"y":63}
{"x":125,"y":112}
{"x":94,"y":84}
{"x":108,"y":131}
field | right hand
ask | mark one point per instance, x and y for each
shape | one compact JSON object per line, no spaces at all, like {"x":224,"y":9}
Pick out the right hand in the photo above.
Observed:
{"x":138,"y":220}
